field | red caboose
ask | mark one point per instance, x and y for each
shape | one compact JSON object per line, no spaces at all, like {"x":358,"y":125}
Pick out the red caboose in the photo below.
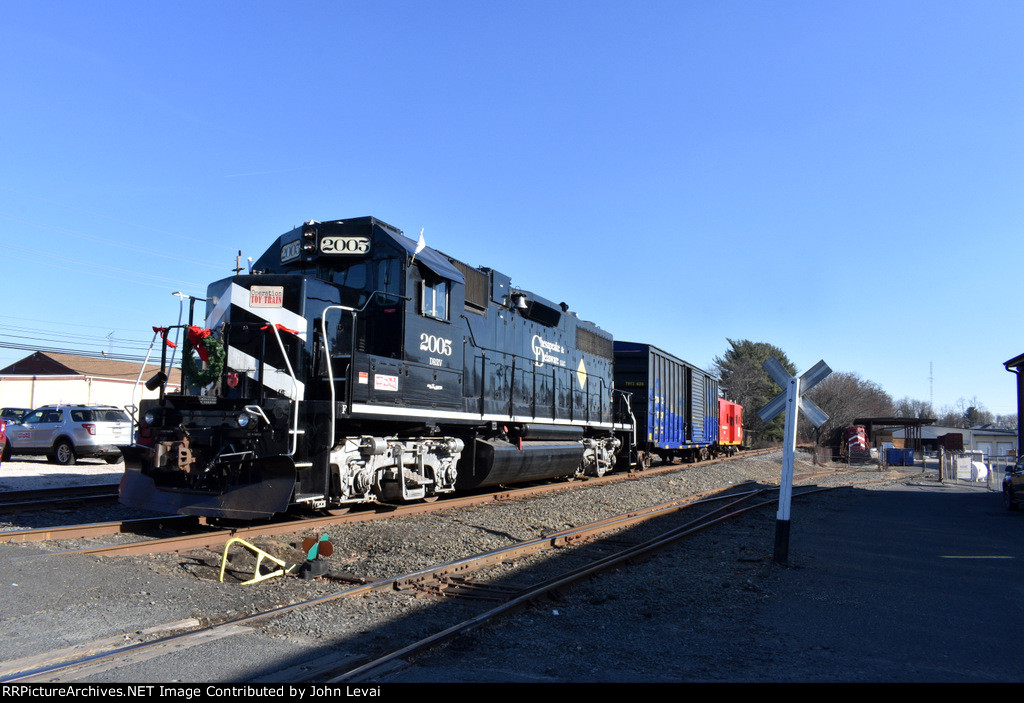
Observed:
{"x":730,"y":424}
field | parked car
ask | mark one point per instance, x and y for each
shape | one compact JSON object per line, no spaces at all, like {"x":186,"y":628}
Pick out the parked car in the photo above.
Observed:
{"x":65,"y":433}
{"x":1013,"y":485}
{"x":13,"y":415}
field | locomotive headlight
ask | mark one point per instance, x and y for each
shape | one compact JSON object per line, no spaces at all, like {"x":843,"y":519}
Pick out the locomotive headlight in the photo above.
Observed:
{"x":150,"y":417}
{"x":309,"y":237}
{"x":244,"y":419}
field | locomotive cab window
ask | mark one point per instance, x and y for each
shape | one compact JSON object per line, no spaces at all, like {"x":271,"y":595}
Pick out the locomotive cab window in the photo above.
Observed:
{"x":389,"y":276}
{"x":352,"y":280}
{"x":435,"y":298}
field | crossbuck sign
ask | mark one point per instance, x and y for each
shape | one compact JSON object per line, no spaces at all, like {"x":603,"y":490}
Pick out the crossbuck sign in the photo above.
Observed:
{"x":792,"y":401}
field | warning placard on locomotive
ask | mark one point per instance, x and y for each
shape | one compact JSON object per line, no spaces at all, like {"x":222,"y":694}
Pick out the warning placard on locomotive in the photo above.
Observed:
{"x":384,"y":382}
{"x":266,"y":297}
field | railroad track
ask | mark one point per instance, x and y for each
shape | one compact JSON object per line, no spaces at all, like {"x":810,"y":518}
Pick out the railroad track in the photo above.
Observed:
{"x":197,"y":534}
{"x":733,"y":506}
{"x":50,"y":498}
{"x":701,"y":512}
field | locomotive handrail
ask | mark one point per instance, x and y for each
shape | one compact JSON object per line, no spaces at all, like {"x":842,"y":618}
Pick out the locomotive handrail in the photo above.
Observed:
{"x":627,"y":397}
{"x":504,"y":352}
{"x":352,"y":352}
{"x":294,"y":432}
{"x":258,"y":411}
{"x":330,"y":365}
{"x":164,"y":365}
{"x":142,"y":370}
{"x":472,"y":337}
{"x":532,"y":362}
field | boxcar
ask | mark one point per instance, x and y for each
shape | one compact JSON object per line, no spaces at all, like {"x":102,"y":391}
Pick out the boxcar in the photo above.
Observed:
{"x":675,"y":404}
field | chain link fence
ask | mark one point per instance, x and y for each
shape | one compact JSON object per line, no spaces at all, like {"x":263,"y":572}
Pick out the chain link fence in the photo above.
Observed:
{"x":975,"y":468}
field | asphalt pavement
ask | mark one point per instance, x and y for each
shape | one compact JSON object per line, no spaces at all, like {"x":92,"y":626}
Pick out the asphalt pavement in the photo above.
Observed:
{"x":923,"y":581}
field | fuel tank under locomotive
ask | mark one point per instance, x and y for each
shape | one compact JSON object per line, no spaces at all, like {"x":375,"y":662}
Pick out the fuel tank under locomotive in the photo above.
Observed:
{"x":498,"y":461}
{"x":533,"y":453}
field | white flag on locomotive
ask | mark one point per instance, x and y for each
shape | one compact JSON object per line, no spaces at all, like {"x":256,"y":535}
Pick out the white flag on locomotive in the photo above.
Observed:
{"x":420,"y":246}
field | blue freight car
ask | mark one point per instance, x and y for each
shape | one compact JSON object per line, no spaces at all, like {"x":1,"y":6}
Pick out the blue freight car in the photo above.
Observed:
{"x":675,"y":403}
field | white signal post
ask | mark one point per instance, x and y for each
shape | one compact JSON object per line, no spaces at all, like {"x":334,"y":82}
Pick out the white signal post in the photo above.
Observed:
{"x":792,"y":401}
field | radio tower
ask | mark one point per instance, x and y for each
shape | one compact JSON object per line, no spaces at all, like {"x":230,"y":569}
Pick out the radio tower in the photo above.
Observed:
{"x":931,"y":389}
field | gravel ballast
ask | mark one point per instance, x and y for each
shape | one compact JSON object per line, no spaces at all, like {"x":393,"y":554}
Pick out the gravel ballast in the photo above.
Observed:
{"x":685,"y":614}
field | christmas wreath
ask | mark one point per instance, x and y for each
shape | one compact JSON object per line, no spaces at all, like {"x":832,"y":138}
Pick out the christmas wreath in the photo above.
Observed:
{"x":210,"y":351}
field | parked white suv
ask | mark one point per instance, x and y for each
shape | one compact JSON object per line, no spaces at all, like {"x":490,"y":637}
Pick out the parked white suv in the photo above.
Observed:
{"x":65,"y":433}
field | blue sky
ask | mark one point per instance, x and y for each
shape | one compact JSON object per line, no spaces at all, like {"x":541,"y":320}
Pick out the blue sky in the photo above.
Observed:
{"x":844,"y":180}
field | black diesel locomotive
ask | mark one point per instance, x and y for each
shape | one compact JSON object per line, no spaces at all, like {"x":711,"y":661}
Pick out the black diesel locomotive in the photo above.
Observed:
{"x":354,"y":364}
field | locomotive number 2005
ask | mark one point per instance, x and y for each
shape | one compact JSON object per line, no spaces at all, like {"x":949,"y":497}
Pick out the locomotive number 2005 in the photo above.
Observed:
{"x":435,"y":345}
{"x":345,"y":245}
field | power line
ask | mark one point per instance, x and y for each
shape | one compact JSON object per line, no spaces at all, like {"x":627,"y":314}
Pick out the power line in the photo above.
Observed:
{"x":17,"y":331}
{"x":137,"y":345}
{"x":138,"y":358}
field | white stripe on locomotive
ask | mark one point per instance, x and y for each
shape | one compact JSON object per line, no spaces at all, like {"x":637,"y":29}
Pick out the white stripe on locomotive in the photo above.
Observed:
{"x":239,"y":296}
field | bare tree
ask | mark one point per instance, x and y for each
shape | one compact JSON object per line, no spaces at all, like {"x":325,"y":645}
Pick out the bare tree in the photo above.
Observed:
{"x":912,"y":407}
{"x":965,"y":413}
{"x":949,"y":416}
{"x":1008,"y":421}
{"x":844,"y":397}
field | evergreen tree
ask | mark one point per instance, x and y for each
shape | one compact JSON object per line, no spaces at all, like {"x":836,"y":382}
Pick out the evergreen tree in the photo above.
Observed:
{"x":744,"y":381}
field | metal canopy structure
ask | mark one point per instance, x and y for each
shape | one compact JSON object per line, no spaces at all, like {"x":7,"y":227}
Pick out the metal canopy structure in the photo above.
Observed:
{"x":911,"y":426}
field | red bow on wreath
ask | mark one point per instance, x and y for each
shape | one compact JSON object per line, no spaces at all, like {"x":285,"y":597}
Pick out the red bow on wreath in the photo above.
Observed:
{"x":196,"y":337}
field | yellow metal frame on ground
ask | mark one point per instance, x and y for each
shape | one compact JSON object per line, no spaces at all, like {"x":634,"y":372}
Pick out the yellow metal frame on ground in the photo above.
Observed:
{"x":260,"y":556}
